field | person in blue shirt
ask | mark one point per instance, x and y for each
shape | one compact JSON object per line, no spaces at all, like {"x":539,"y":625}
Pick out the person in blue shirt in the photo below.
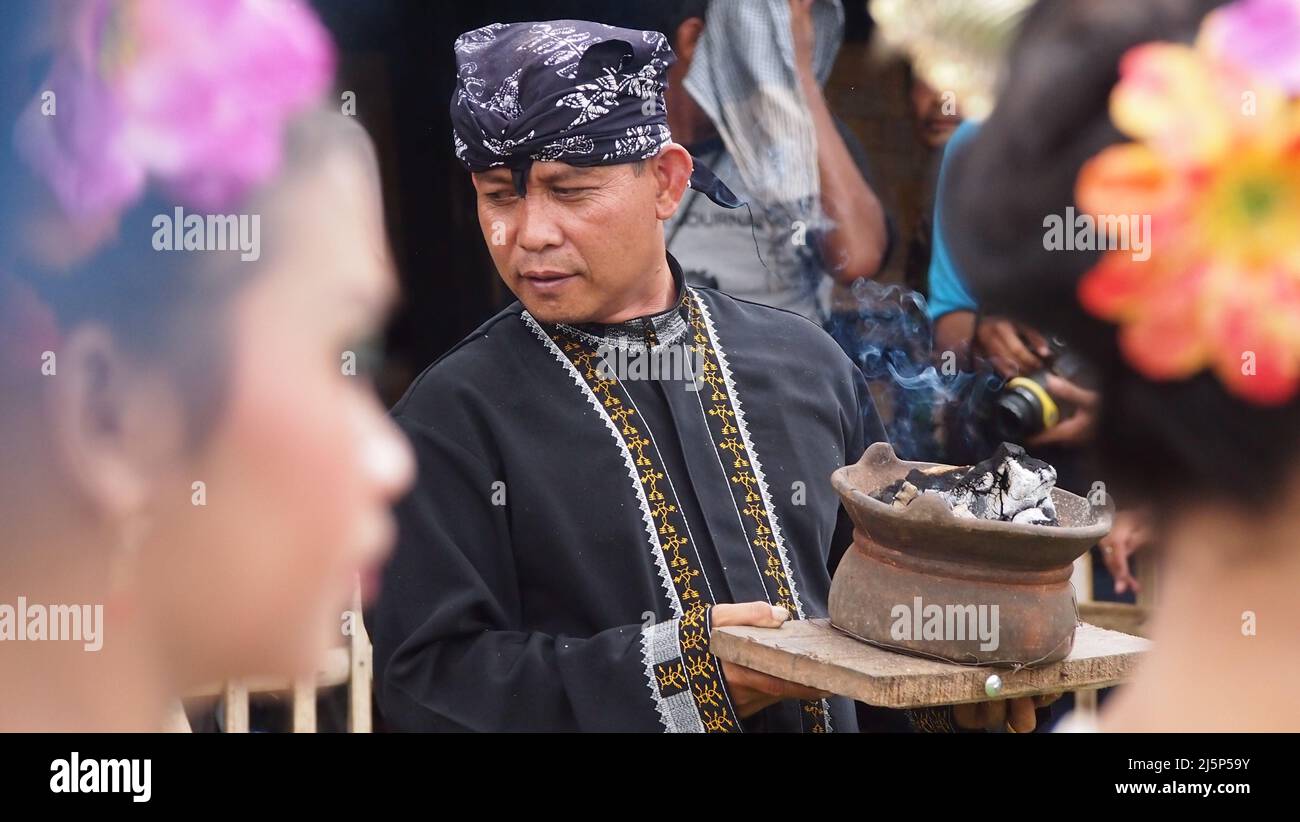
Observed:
{"x":1009,"y":347}
{"x":1013,"y":348}
{"x":947,"y":292}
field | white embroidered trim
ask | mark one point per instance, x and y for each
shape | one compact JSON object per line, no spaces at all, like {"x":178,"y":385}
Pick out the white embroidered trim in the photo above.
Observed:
{"x":665,"y":576}
{"x":673,"y":333}
{"x":695,"y":549}
{"x":727,"y":380}
{"x":670,"y":710}
{"x":660,"y":643}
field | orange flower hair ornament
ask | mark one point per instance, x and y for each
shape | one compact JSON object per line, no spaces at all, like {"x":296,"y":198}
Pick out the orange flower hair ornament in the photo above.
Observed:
{"x":1215,"y":164}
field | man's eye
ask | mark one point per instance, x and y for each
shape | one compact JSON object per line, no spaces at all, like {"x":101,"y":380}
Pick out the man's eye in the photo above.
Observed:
{"x":569,"y":192}
{"x":500,"y":197}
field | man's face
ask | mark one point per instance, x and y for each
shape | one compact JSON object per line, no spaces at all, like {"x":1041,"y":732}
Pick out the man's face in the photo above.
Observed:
{"x":934,"y":115}
{"x":582,"y":245}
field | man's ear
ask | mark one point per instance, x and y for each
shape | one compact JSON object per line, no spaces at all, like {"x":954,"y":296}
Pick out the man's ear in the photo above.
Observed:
{"x":110,"y":423}
{"x":688,"y":34}
{"x":672,"y":170}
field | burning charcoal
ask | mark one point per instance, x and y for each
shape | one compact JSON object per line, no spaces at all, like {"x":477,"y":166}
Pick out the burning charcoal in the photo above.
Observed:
{"x":904,"y":495}
{"x":1009,"y":486}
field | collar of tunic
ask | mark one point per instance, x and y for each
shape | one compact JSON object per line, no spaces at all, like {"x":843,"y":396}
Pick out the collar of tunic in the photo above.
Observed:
{"x":650,"y":331}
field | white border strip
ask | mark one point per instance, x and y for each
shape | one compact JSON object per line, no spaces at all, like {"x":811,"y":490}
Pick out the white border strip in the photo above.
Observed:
{"x":652,"y":534}
{"x":727,"y":380}
{"x":670,"y":714}
{"x":661,"y":642}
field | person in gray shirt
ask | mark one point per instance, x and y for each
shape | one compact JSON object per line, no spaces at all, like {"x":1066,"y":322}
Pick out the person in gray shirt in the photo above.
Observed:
{"x":771,"y":254}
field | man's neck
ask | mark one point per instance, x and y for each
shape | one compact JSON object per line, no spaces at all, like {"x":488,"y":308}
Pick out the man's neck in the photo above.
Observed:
{"x":659,"y":296}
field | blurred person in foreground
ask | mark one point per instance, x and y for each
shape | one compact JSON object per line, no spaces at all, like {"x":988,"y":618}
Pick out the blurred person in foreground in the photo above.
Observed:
{"x":618,"y":463}
{"x":191,"y":483}
{"x":1197,"y":347}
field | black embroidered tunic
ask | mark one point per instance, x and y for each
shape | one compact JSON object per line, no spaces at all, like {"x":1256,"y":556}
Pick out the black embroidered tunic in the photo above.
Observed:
{"x":578,"y":513}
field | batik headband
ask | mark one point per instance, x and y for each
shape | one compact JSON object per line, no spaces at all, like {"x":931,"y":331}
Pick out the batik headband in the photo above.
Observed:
{"x":586,"y":94}
{"x":1215,"y":167}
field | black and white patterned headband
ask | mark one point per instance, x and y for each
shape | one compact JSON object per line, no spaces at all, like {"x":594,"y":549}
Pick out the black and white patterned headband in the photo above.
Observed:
{"x":586,"y":94}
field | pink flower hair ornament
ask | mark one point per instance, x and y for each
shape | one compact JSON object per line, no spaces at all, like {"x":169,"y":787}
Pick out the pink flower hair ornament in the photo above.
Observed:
{"x":1215,"y":163}
{"x":193,"y":95}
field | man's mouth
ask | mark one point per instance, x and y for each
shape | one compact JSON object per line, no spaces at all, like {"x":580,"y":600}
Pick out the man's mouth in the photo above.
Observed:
{"x":546,"y":280}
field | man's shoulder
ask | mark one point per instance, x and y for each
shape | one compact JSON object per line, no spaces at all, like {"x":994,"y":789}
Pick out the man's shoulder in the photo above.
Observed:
{"x":774,"y":326}
{"x":468,"y":364}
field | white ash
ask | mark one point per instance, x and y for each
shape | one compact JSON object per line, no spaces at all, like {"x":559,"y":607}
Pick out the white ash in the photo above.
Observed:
{"x":1009,"y":486}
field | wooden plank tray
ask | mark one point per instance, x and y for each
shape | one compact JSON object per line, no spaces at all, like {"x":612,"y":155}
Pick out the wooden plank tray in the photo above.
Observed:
{"x":813,"y":653}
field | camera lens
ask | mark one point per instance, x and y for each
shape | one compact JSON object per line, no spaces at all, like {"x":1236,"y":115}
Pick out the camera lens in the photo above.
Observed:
{"x":1017,"y":415}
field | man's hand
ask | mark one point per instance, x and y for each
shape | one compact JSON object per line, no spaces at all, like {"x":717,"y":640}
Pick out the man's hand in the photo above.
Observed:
{"x":1076,"y":429}
{"x":1016,"y":714}
{"x":854,"y":246}
{"x":1012,"y":349}
{"x":1015,"y":349}
{"x":1130,"y":532}
{"x":752,"y":691}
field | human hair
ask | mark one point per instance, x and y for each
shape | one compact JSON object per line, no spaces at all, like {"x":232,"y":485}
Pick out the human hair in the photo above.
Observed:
{"x":1172,"y":441}
{"x":663,"y":16}
{"x":82,"y":207}
{"x":172,"y":309}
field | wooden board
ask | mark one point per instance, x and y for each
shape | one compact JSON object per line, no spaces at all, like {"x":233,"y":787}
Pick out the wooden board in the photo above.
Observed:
{"x":813,"y":653}
{"x":1116,"y":616}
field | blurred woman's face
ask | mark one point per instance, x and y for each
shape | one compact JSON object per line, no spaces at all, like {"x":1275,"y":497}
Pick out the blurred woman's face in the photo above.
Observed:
{"x":302,"y":465}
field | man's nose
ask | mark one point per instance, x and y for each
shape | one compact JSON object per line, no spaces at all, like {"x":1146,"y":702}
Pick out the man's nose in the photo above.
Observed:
{"x":537,"y":229}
